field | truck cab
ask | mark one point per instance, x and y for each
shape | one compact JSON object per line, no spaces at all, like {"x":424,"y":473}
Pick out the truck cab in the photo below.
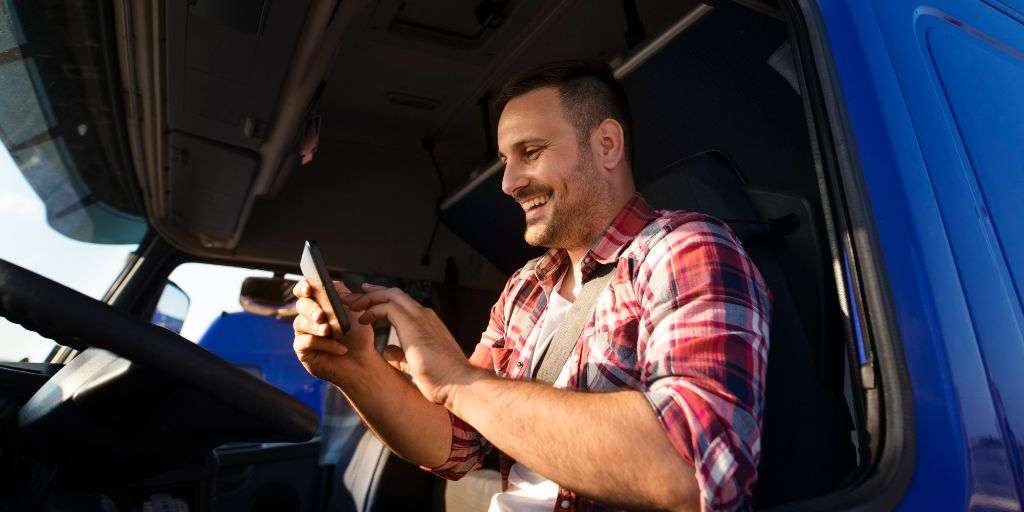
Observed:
{"x":163,"y":163}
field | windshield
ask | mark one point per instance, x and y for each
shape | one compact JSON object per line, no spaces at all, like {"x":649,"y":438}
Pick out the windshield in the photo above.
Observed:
{"x":67,"y":207}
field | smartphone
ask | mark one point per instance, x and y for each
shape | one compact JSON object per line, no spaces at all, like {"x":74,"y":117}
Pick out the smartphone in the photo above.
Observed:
{"x":315,"y":271}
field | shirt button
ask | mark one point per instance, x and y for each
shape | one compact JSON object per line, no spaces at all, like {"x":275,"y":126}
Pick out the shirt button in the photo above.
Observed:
{"x":519,"y":364}
{"x":565,"y":504}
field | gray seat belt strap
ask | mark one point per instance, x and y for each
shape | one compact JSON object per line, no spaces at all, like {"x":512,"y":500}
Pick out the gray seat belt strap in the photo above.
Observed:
{"x":554,"y":357}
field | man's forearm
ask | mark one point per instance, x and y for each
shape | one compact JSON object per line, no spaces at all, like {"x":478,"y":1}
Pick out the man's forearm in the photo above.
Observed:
{"x":413,"y":427}
{"x":607,"y":446}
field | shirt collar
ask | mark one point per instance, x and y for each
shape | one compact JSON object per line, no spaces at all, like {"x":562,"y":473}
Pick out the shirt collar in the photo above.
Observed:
{"x":607,"y":247}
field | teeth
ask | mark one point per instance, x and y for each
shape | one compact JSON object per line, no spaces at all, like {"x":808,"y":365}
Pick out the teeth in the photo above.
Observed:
{"x":535,"y":202}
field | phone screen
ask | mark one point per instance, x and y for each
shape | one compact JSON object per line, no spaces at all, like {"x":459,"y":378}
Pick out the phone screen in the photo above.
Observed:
{"x":315,"y":271}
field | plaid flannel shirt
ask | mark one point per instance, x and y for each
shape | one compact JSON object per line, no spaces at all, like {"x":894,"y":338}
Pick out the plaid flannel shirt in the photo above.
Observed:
{"x":684,"y":321}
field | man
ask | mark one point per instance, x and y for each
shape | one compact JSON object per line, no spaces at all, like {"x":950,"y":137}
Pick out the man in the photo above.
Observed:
{"x":660,"y":403}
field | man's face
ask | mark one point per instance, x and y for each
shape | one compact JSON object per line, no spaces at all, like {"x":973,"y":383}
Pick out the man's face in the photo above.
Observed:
{"x":546,"y":171}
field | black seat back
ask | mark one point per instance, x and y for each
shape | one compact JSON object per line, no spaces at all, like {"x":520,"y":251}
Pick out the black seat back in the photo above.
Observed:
{"x":806,"y":448}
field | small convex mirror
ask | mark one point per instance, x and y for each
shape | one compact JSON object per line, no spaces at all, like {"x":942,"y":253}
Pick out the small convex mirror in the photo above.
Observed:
{"x":171,"y":308}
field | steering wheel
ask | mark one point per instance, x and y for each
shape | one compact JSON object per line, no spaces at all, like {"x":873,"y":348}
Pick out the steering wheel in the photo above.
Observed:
{"x":251,"y":407}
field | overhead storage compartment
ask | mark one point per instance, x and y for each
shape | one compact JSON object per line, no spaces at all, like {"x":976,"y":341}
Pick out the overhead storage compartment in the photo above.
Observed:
{"x":226,"y":64}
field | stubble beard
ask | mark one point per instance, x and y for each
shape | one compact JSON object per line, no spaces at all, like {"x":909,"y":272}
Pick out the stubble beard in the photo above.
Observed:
{"x":567,"y":225}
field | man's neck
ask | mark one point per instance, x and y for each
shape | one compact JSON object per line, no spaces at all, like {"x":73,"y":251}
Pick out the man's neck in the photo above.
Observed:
{"x":577,"y":253}
{"x":615,"y":206}
{"x":567,"y":290}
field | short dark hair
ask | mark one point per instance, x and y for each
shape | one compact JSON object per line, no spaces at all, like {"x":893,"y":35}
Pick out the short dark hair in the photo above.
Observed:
{"x":588,"y":90}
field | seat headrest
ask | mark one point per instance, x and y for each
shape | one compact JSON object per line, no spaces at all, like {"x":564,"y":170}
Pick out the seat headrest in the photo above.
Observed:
{"x":706,"y":183}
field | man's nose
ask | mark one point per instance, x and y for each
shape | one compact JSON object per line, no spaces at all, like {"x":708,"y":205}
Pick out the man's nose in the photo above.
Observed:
{"x":512,"y":179}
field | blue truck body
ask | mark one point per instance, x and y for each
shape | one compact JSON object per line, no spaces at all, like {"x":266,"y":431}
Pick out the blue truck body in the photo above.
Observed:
{"x":262,"y":345}
{"x":933,"y":94}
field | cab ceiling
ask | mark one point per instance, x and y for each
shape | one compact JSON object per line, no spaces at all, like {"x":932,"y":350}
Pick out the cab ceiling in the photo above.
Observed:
{"x":394,"y":86}
{"x":409,"y":75}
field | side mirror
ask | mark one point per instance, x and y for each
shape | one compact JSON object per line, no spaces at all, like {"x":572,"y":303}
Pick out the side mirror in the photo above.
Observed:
{"x":268,"y":296}
{"x":172,"y":308}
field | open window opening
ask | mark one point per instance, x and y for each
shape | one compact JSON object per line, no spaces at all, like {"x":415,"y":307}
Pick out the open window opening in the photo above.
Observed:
{"x":728,"y":121}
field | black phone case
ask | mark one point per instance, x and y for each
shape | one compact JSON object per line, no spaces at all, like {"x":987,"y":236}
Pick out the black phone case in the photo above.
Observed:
{"x":315,"y":271}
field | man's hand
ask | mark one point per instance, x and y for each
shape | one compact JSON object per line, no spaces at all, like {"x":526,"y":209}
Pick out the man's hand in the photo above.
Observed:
{"x":414,"y":428}
{"x":429,"y":353}
{"x":325,"y":357}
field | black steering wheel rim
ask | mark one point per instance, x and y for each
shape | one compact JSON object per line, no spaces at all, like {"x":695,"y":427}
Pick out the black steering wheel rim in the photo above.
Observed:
{"x":79,"y":321}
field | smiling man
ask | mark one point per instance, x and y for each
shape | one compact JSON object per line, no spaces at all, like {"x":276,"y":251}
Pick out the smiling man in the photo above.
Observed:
{"x":659,"y":401}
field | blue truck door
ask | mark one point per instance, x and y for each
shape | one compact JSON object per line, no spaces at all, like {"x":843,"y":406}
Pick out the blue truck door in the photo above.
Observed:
{"x":934,"y":95}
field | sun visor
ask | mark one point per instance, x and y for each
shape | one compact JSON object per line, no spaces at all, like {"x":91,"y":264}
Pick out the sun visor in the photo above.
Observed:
{"x":209,"y":182}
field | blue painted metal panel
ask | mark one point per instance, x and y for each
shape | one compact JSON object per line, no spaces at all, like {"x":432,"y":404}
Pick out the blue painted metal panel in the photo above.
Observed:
{"x":264,"y":344}
{"x":935,"y":101}
{"x":982,"y":83}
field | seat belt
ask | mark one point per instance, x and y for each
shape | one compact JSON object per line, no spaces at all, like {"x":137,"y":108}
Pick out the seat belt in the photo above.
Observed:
{"x":557,"y":353}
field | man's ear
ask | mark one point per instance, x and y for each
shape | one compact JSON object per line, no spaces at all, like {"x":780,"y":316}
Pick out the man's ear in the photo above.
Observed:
{"x":609,"y":144}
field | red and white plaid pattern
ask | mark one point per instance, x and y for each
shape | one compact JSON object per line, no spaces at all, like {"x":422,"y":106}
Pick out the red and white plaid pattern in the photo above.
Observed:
{"x":684,"y":320}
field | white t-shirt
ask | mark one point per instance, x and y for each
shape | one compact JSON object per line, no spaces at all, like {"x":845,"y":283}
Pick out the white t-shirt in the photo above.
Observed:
{"x":527,"y":490}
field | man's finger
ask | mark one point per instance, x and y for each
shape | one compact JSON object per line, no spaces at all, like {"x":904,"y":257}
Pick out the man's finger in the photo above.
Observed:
{"x":310,"y":309}
{"x":305,"y":343}
{"x":380,"y":296}
{"x":342,"y":289}
{"x":301,"y":289}
{"x":303,"y":325}
{"x":394,"y":313}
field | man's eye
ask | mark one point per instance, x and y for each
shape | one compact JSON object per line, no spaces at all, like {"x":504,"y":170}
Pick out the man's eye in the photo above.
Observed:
{"x":532,"y":154}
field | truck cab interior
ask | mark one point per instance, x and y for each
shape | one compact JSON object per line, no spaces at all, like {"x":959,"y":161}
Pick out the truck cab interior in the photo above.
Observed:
{"x":233,"y":130}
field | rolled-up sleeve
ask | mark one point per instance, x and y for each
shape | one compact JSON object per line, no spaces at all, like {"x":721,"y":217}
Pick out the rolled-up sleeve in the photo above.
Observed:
{"x":468,"y":447}
{"x":467,"y":451}
{"x":703,"y":353}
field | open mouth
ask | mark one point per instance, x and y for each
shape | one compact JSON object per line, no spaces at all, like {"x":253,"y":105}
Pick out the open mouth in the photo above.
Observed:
{"x":534,"y":205}
{"x":535,"y":202}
